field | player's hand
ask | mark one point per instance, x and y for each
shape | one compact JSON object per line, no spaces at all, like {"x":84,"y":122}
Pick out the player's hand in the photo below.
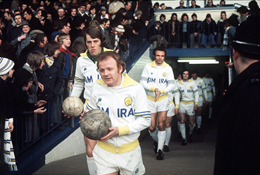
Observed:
{"x":71,"y":85}
{"x":81,"y":115}
{"x":206,"y":103}
{"x":195,"y":107}
{"x":176,"y":111}
{"x":112,"y":132}
{"x":39,"y":110}
{"x":11,"y":126}
{"x":157,"y":94}
{"x":40,"y":103}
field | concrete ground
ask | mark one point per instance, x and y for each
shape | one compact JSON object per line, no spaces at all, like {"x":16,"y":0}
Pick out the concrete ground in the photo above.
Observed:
{"x":196,"y":158}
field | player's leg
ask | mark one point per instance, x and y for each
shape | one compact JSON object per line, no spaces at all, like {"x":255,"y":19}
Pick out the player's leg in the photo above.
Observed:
{"x":210,"y":110}
{"x":92,"y":168}
{"x":161,"y":133}
{"x":168,"y":130}
{"x":153,"y":131}
{"x":192,"y":126}
{"x":199,"y":119}
{"x":181,"y":118}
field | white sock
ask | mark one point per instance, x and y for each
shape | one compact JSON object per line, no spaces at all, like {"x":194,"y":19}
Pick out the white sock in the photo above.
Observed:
{"x":191,"y":128}
{"x":199,"y":119}
{"x":183,"y":130}
{"x":178,"y":124}
{"x":161,"y":139}
{"x":154,"y":134}
{"x":92,"y":168}
{"x":210,"y":112}
{"x":168,"y":135}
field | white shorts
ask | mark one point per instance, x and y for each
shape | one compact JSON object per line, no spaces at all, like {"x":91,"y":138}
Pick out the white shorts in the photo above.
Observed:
{"x":158,"y":106}
{"x":170,"y":112}
{"x":127,"y":163}
{"x":201,"y":101}
{"x":187,"y":108}
{"x":210,"y":97}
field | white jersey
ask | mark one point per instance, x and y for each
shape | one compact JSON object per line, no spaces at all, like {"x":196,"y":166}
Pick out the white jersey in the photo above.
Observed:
{"x":126,"y":106}
{"x":85,"y":75}
{"x":209,"y":84}
{"x":188,"y":91}
{"x":160,"y":77}
{"x":201,"y":87}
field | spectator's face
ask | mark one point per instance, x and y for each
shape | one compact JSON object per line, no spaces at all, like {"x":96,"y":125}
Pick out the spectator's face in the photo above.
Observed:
{"x":222,"y":3}
{"x":61,"y":12}
{"x":107,"y":24}
{"x":26,"y":88}
{"x":73,"y":12}
{"x":185,"y":75}
{"x":93,"y":11}
{"x":163,"y":7}
{"x":49,"y":16}
{"x":56,"y":53}
{"x":157,"y":26}
{"x":128,"y":6}
{"x":174,"y":17}
{"x":68,"y":1}
{"x":7,"y":17}
{"x":185,"y":18}
{"x":82,"y":26}
{"x":223,"y":16}
{"x":159,"y":57}
{"x":10,"y":73}
{"x":18,"y":19}
{"x":193,"y":3}
{"x":82,"y":9}
{"x":93,"y":45}
{"x":194,"y":18}
{"x":26,"y":29}
{"x":55,"y":7}
{"x":45,"y":40}
{"x":7,"y":10}
{"x":66,"y":42}
{"x":26,"y":16}
{"x":156,"y":6}
{"x":208,"y":19}
{"x":194,"y":76}
{"x":210,"y":3}
{"x":67,"y":28}
{"x":88,"y":7}
{"x":24,"y":6}
{"x":103,"y":12}
{"x":120,"y":33}
{"x":109,"y":71}
{"x":181,"y":3}
{"x":39,"y":14}
{"x":162,"y":18}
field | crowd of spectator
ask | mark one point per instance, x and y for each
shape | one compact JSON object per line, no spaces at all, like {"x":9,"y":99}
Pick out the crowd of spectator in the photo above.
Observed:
{"x":174,"y":33}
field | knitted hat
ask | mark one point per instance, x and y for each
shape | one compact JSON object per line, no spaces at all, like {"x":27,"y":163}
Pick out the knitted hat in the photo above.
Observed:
{"x":54,"y":34}
{"x":247,"y":37}
{"x":103,"y":8}
{"x":120,"y":28}
{"x":5,"y":65}
{"x":25,"y":23}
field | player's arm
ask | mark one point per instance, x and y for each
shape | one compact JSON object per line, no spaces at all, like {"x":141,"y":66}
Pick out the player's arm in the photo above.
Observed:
{"x":142,"y":115}
{"x":144,"y":80}
{"x":196,"y":93}
{"x":176,"y":93}
{"x":171,"y":81}
{"x":78,"y":81}
{"x":204,"y":91}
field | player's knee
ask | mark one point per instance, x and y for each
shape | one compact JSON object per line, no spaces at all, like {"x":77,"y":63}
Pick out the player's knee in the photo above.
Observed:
{"x":168,"y":124}
{"x":151,"y":128}
{"x":161,"y":126}
{"x":89,"y":152}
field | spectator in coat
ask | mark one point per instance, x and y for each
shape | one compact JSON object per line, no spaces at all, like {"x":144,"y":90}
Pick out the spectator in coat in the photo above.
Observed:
{"x":210,"y":4}
{"x":220,"y":29}
{"x":16,"y":30}
{"x":195,"y":30}
{"x":103,"y":13}
{"x":92,"y":15}
{"x":156,"y":34}
{"x":24,"y":38}
{"x":181,"y":5}
{"x":194,"y":5}
{"x":184,"y":30}
{"x":114,"y":7}
{"x":209,"y":29}
{"x":104,"y":25}
{"x":30,"y":18}
{"x":173,"y":25}
{"x":163,"y":7}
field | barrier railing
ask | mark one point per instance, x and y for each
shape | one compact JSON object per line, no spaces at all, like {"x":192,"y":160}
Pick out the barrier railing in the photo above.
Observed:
{"x":32,"y":129}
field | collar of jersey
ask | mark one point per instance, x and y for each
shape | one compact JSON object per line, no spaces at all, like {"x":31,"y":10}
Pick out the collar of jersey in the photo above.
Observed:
{"x":153,"y":64}
{"x":85,"y":54}
{"x":180,"y":81}
{"x":127,"y":81}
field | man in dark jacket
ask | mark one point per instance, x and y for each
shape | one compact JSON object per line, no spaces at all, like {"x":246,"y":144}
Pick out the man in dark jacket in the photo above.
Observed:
{"x":238,"y":138}
{"x":29,"y":17}
{"x":195,"y":30}
{"x":209,"y":28}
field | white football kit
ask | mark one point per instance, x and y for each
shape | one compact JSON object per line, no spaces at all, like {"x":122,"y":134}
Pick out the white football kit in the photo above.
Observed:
{"x":202,"y":91}
{"x":210,"y":87}
{"x":160,"y":77}
{"x":189,"y":93}
{"x":128,"y":110}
